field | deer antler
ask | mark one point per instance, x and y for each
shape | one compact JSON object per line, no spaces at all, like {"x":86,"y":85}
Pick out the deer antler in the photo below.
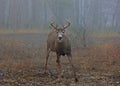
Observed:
{"x":66,"y":26}
{"x":52,"y":24}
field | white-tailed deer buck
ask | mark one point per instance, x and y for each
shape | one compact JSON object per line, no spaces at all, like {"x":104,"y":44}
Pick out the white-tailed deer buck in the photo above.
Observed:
{"x":59,"y":43}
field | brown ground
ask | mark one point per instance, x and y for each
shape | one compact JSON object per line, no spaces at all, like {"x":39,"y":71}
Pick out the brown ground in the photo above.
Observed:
{"x":21,"y":64}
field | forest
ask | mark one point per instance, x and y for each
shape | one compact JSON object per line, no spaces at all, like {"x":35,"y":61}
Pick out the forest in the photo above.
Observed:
{"x":89,"y":14}
{"x":93,"y":31}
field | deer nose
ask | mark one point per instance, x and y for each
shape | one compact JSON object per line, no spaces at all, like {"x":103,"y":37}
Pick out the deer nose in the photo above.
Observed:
{"x":60,"y":38}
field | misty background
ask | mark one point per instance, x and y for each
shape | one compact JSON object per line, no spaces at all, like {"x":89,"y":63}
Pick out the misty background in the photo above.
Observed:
{"x":86,"y":16}
{"x":28,"y":14}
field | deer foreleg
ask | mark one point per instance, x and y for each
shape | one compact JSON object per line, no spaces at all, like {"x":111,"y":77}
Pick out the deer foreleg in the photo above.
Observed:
{"x":48,"y":52}
{"x":58,"y":62}
{"x":60,"y":72}
{"x":73,"y":68}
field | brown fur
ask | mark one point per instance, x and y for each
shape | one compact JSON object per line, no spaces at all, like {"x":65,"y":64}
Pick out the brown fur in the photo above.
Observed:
{"x":59,"y":46}
{"x":63,"y":48}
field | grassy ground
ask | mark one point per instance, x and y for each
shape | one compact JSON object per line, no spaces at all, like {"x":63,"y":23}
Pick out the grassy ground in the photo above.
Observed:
{"x":21,"y":64}
{"x":22,"y":31}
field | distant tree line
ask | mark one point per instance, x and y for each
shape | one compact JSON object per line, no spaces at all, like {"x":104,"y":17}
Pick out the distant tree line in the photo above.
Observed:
{"x":83,"y":14}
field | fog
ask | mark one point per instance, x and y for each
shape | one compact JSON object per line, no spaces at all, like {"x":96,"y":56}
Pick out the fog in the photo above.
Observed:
{"x":86,"y":16}
{"x":15,"y":14}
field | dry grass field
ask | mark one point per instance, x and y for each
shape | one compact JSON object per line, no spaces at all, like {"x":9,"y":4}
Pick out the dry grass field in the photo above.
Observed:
{"x":22,"y":62}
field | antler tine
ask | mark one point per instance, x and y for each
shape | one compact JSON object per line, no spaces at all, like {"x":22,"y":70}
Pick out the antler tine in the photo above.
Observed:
{"x":68,"y":24}
{"x":52,"y":24}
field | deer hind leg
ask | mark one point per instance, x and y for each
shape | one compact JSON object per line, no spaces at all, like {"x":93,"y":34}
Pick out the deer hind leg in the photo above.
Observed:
{"x":73,"y":68}
{"x":48,"y":52}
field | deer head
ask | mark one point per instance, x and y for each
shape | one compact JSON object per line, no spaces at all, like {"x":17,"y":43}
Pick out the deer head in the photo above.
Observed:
{"x":60,"y":30}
